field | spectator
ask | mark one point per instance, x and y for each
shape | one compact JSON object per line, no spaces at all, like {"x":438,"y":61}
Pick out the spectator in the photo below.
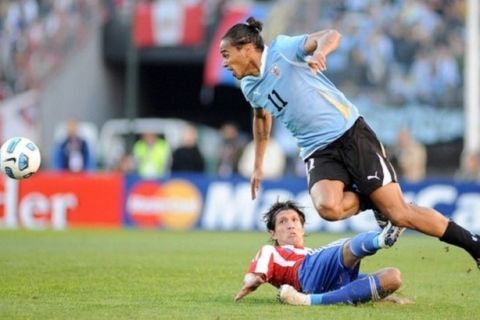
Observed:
{"x":411,"y":157}
{"x":447,"y":76}
{"x":188,"y":157}
{"x":230,"y":150}
{"x":422,"y":74}
{"x":73,"y":153}
{"x":126,"y":164}
{"x":470,"y":167}
{"x":152,"y":156}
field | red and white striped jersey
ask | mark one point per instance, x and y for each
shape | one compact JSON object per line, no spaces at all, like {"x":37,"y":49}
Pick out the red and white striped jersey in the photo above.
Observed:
{"x":279,"y":264}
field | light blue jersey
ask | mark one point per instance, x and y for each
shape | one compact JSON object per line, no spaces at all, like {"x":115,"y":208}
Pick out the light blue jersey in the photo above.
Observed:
{"x":309,"y":105}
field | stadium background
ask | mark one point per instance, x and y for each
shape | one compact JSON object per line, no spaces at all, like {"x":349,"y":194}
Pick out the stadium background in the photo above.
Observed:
{"x":63,"y":59}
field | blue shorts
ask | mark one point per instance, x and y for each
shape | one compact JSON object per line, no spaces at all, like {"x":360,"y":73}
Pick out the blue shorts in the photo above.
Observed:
{"x":323,"y":269}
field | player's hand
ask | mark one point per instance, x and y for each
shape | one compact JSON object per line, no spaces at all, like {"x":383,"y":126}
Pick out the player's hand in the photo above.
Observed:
{"x":318,"y":62}
{"x":251,"y":282}
{"x":255,"y":182}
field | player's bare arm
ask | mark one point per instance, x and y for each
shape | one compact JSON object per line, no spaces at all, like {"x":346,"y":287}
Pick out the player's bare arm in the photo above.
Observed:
{"x":320,"y":44}
{"x":251,"y":282}
{"x":262,"y":124}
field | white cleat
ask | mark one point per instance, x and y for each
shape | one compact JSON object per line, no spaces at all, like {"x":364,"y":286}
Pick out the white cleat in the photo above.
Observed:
{"x":287,"y":294}
{"x":389,"y":235}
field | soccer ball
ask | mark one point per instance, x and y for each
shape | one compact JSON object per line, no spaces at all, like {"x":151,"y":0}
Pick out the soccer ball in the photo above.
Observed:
{"x":19,"y":158}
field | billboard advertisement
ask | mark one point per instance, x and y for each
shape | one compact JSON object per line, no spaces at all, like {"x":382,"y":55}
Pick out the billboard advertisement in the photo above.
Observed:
{"x":51,"y":200}
{"x":58,"y":200}
{"x":198,"y":201}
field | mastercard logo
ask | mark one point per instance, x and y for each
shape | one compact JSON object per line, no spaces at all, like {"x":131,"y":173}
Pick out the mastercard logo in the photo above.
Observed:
{"x":176,"y":204}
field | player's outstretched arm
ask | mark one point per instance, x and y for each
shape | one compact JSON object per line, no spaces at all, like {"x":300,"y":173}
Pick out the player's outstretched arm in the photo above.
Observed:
{"x":251,"y":282}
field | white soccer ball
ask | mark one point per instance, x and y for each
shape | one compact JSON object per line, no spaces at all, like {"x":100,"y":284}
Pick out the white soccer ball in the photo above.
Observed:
{"x":19,"y":158}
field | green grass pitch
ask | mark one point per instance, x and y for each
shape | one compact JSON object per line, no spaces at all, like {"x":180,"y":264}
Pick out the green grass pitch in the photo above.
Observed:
{"x":135,"y":274}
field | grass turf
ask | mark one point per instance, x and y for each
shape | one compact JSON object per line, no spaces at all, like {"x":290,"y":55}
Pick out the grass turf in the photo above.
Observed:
{"x":134,"y":274}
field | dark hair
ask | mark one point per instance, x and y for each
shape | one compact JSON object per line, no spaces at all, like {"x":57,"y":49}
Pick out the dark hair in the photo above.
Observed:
{"x":279,"y":206}
{"x":243,"y":33}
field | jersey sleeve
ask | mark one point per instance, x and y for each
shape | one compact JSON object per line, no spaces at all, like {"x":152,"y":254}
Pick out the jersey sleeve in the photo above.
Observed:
{"x":263,"y":262}
{"x":247,"y":92}
{"x":292,"y":47}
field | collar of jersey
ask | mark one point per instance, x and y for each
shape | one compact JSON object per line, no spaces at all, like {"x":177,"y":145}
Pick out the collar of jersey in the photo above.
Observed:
{"x":292,"y":247}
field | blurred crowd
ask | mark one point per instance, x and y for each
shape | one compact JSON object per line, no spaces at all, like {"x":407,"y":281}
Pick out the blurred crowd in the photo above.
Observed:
{"x":393,"y":52}
{"x":157,"y":154}
{"x":37,"y":35}
{"x":153,"y":155}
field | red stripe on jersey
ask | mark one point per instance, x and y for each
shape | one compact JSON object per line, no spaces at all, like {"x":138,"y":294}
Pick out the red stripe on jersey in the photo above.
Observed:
{"x":279,"y":264}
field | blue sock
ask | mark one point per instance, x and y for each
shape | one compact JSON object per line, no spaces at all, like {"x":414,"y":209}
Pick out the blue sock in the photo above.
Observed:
{"x":364,"y":244}
{"x":358,"y":291}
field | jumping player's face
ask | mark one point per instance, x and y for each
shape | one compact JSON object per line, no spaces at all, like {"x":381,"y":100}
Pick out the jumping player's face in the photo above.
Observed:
{"x":235,"y":59}
{"x":288,"y":228}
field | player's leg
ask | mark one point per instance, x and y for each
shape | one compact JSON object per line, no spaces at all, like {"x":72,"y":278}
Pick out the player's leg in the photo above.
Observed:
{"x":371,"y":287}
{"x":390,"y":280}
{"x":353,"y":160}
{"x":320,"y":270}
{"x":366,"y":162}
{"x":327,"y":181}
{"x":389,"y":199}
{"x":368,"y":243}
{"x":331,"y":200}
{"x":376,"y":177}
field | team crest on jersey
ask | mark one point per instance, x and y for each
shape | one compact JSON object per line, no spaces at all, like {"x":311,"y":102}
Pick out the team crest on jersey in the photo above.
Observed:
{"x":275,"y":71}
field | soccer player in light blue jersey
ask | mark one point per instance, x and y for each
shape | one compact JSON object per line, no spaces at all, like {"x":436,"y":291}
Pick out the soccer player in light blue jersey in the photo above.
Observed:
{"x":347,"y":168}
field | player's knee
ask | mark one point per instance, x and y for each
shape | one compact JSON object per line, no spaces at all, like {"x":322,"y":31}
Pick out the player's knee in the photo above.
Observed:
{"x":329,"y":210}
{"x":393,"y":279}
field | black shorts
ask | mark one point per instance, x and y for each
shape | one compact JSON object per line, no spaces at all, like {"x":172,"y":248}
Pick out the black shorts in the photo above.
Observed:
{"x":357,"y":158}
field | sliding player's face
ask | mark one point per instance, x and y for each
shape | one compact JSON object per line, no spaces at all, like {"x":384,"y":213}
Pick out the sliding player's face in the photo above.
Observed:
{"x":288,"y":228}
{"x":236,"y":59}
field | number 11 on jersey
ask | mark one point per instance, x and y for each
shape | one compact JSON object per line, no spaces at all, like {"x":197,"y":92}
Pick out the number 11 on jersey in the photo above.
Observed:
{"x":277,"y":101}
